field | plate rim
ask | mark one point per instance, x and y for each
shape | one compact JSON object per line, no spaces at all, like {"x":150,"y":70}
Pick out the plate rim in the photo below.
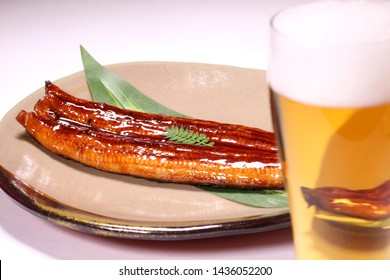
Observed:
{"x":42,"y":206}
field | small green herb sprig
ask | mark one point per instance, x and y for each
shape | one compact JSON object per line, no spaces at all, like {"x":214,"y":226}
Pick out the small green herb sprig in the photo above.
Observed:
{"x":183,"y":135}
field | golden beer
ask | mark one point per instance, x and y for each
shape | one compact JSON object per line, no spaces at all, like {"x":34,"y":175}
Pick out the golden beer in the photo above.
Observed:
{"x":336,"y":147}
{"x":330,"y":98}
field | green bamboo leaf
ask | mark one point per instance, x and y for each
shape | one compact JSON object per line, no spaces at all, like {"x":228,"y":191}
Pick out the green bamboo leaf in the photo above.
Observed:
{"x":107,"y":87}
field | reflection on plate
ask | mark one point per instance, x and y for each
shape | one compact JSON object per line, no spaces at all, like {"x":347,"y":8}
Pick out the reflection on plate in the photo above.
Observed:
{"x":85,"y":199}
{"x":353,"y":222}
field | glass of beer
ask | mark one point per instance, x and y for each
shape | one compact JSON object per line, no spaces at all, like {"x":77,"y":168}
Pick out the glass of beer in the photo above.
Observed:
{"x":329,"y":80}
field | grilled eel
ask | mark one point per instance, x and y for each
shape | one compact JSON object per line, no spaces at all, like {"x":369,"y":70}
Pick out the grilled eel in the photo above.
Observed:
{"x":102,"y":116}
{"x":134,"y":143}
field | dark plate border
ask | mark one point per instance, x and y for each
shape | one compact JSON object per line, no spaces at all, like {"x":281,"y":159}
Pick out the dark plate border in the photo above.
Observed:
{"x":58,"y":213}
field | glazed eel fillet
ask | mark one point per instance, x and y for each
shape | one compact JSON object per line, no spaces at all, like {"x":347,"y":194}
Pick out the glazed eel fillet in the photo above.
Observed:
{"x":134,"y":143}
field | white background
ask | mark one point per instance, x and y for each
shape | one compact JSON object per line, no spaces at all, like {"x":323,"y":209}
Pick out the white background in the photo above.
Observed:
{"x":40,"y":41}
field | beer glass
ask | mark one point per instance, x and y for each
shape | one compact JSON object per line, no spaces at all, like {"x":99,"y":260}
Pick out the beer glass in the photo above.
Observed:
{"x":329,"y":81}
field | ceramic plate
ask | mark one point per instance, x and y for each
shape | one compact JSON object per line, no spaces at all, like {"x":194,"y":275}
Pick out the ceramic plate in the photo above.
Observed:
{"x":85,"y":199}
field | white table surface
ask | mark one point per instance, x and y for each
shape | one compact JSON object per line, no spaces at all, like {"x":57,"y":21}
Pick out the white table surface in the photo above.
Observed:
{"x":40,"y":41}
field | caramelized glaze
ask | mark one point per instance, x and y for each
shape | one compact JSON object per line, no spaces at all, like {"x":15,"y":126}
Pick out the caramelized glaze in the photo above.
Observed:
{"x":129,"y":142}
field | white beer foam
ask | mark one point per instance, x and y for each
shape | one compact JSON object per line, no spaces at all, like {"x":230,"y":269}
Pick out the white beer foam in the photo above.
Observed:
{"x":332,"y":53}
